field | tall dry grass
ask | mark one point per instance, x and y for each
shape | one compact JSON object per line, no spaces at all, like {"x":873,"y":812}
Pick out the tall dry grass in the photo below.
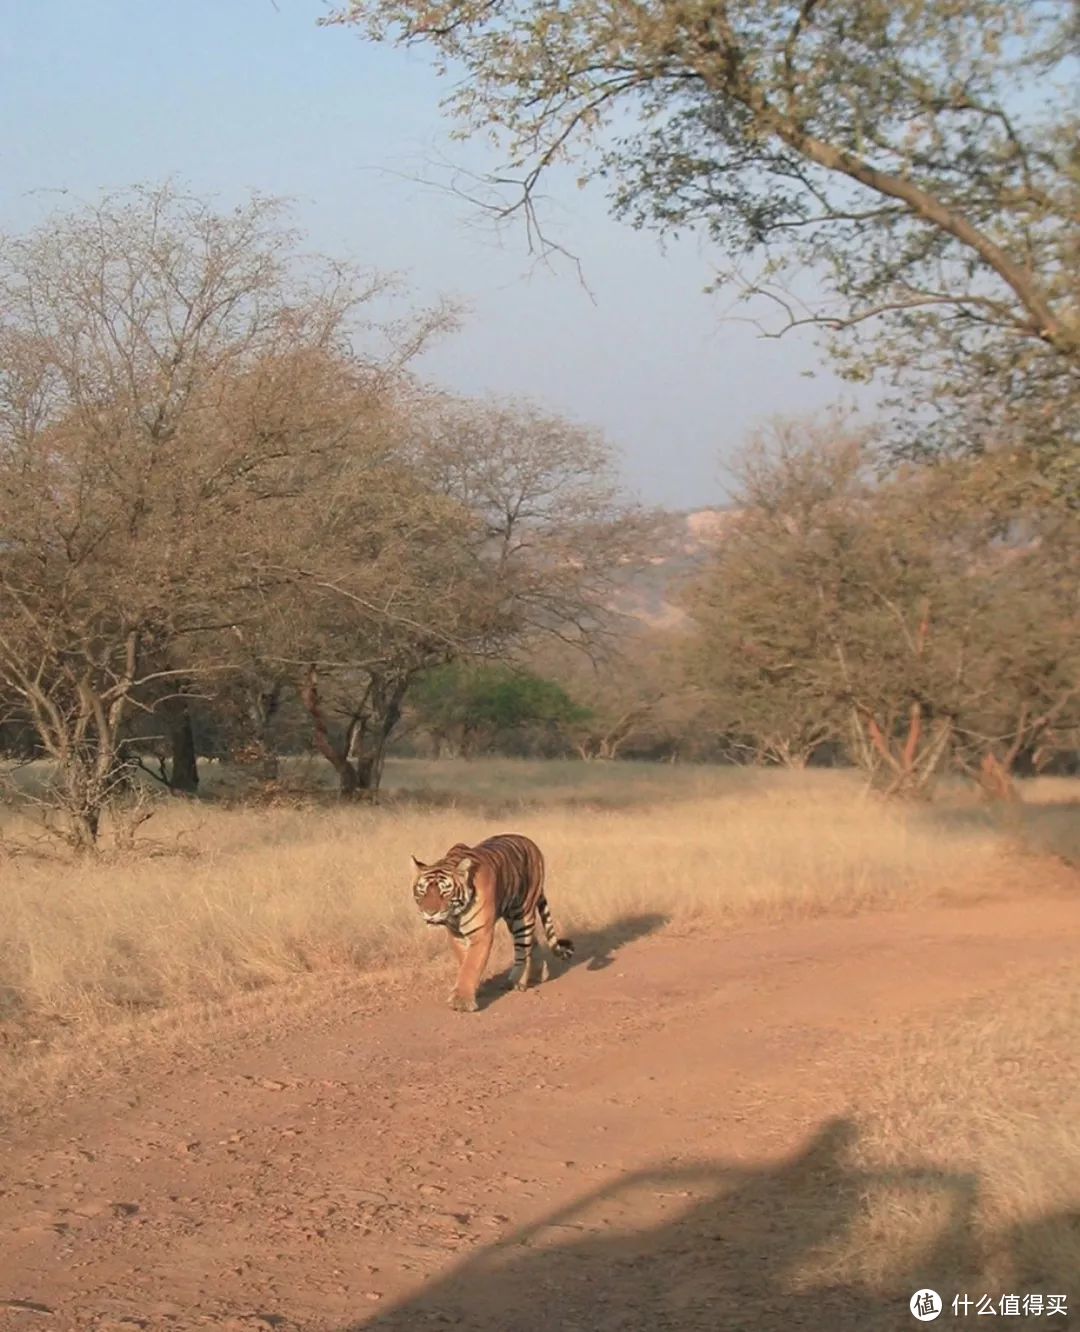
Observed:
{"x":973,"y":1141}
{"x":240,"y":898}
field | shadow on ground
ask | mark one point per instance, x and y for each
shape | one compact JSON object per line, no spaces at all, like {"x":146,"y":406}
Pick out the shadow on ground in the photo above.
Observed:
{"x":1049,"y":827}
{"x":593,"y":949}
{"x":596,"y":949}
{"x":736,"y":1248}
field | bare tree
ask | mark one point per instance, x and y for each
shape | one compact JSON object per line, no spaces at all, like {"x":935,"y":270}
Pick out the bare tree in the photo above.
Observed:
{"x":393,"y":590}
{"x":553,"y":531}
{"x":169,"y":376}
{"x":491,"y":523}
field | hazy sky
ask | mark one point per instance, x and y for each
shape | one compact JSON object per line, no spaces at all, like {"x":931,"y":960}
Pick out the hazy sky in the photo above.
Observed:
{"x":229,"y":95}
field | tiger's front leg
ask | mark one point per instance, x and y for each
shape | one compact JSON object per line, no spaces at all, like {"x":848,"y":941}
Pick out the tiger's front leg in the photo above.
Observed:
{"x":473,"y":954}
{"x":457,"y":947}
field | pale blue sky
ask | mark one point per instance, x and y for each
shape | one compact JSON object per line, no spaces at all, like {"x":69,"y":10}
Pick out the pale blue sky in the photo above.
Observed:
{"x":229,"y":95}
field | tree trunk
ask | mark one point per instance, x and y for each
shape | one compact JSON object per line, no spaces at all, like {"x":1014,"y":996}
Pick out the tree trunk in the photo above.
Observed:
{"x":369,"y":741}
{"x":905,"y":765}
{"x":788,"y":753}
{"x":184,"y":771}
{"x":264,"y":705}
{"x":309,"y":696}
{"x":86,"y":824}
{"x":82,"y":800}
{"x":996,"y":780}
{"x":250,"y":746}
{"x":359,"y":765}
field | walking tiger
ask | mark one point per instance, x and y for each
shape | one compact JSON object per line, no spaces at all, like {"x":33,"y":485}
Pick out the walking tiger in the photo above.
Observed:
{"x":471,"y":888}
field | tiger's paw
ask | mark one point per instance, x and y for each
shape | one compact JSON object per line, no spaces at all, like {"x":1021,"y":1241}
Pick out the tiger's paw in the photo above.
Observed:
{"x":462,"y":1003}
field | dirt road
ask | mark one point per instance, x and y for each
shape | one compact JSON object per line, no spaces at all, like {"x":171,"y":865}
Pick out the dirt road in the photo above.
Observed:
{"x":654,"y":1139}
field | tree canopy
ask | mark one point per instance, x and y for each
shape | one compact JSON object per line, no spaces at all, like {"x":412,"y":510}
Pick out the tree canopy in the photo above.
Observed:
{"x":909,"y":616}
{"x":920,"y":159}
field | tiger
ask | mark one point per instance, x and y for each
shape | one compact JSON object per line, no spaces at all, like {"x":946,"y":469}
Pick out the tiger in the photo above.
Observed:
{"x":471,"y":888}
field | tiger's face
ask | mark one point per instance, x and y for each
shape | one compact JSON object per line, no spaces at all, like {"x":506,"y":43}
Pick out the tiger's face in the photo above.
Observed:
{"x":442,"y":895}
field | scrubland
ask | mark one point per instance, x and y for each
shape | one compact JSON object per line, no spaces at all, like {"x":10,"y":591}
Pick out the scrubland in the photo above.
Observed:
{"x":220,"y":896}
{"x":232,"y":914}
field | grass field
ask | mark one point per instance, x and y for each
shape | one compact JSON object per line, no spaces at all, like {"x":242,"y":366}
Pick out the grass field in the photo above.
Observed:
{"x":221,"y":898}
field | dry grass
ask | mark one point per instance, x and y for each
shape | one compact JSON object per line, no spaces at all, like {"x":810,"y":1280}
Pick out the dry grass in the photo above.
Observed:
{"x":252,"y":897}
{"x":972,"y":1147}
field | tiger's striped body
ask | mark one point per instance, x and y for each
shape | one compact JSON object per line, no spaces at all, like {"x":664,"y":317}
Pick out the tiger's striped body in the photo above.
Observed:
{"x":471,"y":888}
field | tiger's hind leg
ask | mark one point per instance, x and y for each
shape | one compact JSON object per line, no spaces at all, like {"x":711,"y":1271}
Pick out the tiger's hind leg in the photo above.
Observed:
{"x":523,"y":928}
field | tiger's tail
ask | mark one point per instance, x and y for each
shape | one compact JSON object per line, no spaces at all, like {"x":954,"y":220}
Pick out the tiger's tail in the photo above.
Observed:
{"x":563,"y":948}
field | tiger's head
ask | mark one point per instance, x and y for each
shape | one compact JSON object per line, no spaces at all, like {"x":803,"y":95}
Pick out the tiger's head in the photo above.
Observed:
{"x":442,"y":893}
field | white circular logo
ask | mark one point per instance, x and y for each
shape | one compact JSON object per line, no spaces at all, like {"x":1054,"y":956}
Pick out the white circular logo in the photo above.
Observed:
{"x":925,"y":1305}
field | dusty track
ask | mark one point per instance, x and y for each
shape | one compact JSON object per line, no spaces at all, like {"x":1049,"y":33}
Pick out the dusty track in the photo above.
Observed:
{"x":654,"y":1139}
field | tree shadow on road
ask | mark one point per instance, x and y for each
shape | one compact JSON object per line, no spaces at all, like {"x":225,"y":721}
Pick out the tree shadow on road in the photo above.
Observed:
{"x":731,"y":1248}
{"x":1048,"y":827}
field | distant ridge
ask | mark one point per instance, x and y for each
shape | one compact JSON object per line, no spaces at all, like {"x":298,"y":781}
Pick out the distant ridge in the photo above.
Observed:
{"x":685,"y":538}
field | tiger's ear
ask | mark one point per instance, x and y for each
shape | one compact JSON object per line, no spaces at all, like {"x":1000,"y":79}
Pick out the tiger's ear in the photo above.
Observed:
{"x":417,"y":865}
{"x":464,"y":866}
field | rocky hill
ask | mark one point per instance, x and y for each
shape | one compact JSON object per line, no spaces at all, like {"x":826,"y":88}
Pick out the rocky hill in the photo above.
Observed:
{"x":650,"y":594}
